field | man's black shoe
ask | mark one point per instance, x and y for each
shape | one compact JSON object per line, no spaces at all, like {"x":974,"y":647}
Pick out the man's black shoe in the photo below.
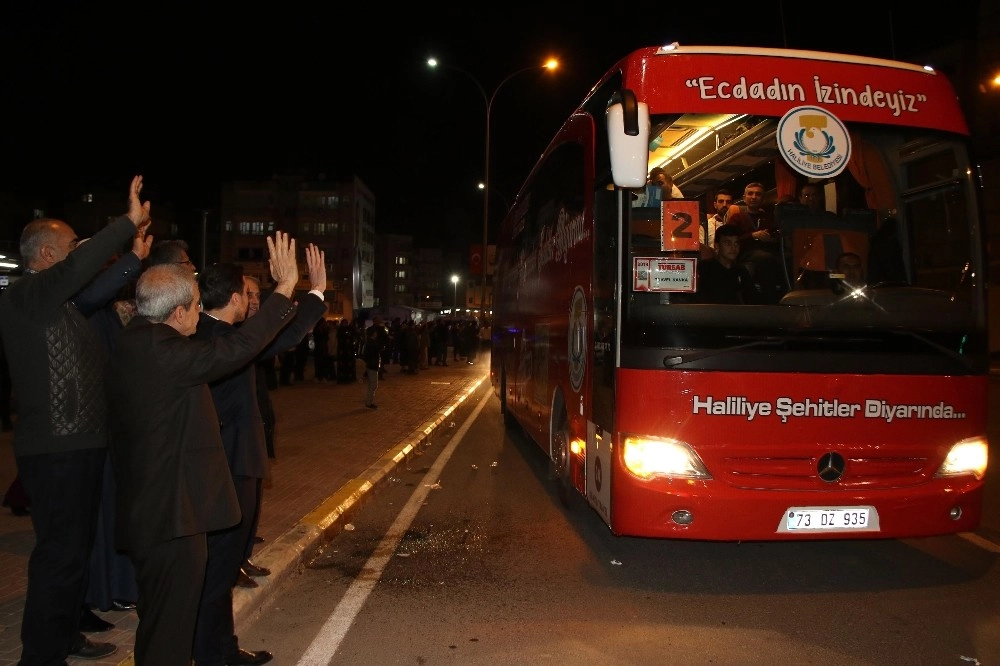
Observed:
{"x":260,"y":539}
{"x":254,"y":570}
{"x":87,"y":649}
{"x":122,"y":605}
{"x":247,"y":657}
{"x":91,"y":623}
{"x":244,"y":580}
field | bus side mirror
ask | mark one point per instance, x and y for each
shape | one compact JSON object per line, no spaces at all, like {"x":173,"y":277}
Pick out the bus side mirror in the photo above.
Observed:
{"x":628,"y":140}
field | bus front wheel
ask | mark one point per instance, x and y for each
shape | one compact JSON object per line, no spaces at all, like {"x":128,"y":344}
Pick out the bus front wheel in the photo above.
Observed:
{"x":559,"y":466}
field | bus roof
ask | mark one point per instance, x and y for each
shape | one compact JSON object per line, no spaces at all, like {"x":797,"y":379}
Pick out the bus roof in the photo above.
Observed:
{"x":724,"y":79}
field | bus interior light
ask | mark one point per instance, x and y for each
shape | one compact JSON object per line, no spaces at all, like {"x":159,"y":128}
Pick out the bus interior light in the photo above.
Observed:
{"x":648,"y":457}
{"x":970,"y":456}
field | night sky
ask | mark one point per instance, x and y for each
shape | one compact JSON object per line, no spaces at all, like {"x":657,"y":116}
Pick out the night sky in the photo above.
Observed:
{"x":193,"y":96}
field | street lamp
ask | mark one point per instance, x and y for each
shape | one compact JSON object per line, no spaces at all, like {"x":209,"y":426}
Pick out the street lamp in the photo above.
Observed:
{"x":551,"y":64}
{"x":506,"y":204}
{"x":454,"y":293}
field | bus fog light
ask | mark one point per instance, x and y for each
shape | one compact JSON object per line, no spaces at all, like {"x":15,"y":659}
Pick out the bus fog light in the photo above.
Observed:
{"x":955,"y":513}
{"x":682,"y":517}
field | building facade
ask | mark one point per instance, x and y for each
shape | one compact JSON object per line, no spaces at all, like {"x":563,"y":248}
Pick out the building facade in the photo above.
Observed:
{"x":338,"y":216}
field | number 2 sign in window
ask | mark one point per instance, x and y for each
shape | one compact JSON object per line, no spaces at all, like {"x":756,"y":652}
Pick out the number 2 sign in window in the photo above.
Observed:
{"x":679,"y":225}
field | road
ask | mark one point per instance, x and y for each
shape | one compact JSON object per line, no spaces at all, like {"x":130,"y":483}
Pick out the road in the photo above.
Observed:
{"x":468,"y":557}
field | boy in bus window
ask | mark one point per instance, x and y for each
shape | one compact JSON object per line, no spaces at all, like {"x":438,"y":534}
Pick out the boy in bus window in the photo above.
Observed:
{"x":721,"y":279}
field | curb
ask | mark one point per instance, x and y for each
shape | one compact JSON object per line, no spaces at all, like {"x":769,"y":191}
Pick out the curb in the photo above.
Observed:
{"x":285,"y":554}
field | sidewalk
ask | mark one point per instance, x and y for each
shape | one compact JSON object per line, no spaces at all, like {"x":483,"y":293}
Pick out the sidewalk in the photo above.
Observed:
{"x":330,"y":451}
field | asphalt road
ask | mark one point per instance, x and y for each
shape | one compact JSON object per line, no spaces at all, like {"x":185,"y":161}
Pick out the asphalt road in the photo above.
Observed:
{"x":468,"y":557}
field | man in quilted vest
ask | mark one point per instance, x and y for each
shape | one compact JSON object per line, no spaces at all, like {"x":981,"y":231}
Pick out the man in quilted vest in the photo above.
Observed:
{"x":57,"y":365}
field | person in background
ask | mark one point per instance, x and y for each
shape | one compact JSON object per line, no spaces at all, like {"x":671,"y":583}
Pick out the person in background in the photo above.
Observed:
{"x":107,"y":304}
{"x":321,"y":351}
{"x":6,"y":422}
{"x":170,"y":251}
{"x":346,"y":353}
{"x":659,"y":176}
{"x":659,"y":186}
{"x":60,"y":436}
{"x":225,"y":303}
{"x":376,"y":340}
{"x":811,"y":196}
{"x":173,"y":482}
{"x":850,"y":265}
{"x":265,"y":375}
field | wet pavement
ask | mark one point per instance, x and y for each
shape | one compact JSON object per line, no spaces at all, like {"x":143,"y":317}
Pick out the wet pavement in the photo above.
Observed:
{"x":330,"y":451}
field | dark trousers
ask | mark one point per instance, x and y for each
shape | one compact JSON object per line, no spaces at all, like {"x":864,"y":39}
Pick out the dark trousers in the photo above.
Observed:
{"x":215,"y":634}
{"x":255,"y":521}
{"x":170,"y":576}
{"x":64,"y":489}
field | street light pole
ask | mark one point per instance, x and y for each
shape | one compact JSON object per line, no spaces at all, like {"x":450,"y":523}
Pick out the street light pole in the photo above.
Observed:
{"x":454,"y":294}
{"x":550,"y":64}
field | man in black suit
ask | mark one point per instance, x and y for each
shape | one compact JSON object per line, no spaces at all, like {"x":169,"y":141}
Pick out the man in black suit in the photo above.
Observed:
{"x":173,"y":481}
{"x":60,"y":437}
{"x":225,"y":300}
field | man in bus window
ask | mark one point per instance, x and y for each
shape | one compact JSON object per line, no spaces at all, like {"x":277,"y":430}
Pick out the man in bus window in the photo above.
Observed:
{"x":759,"y":243}
{"x":659,"y":186}
{"x":721,"y":279}
{"x":853,"y":269}
{"x":723,"y":200}
{"x":811,"y":196}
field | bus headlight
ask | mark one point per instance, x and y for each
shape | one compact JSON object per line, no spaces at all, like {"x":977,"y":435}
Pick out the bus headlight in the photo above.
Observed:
{"x":647,"y":457}
{"x":967,"y":457}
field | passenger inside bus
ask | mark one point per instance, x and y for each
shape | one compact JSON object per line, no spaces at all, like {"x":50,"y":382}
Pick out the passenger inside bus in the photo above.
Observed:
{"x":759,"y":243}
{"x":852,"y":268}
{"x":659,"y":186}
{"x":722,"y":279}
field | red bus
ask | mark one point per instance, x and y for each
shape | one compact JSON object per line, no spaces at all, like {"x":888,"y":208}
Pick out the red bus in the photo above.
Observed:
{"x":820,"y":405}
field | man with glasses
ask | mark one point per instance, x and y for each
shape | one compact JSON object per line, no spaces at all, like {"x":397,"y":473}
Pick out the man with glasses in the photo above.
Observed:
{"x":174,"y":251}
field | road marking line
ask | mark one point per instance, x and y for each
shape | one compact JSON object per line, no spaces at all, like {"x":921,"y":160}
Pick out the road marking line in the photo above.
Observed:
{"x":985,"y":544}
{"x":320,"y":652}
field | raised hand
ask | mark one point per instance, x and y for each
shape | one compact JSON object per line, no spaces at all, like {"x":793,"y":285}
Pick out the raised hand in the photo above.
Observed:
{"x":141,"y":242}
{"x":316,"y":264}
{"x":284,"y":270}
{"x":138,"y":211}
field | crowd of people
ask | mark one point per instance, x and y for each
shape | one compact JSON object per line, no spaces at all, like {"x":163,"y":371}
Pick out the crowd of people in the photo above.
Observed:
{"x":144,"y":426}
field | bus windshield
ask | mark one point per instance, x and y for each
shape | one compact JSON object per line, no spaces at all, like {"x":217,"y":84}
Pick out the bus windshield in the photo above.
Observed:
{"x":873,"y":271}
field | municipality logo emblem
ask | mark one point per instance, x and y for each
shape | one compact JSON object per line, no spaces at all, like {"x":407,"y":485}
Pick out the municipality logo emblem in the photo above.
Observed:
{"x":814,"y":142}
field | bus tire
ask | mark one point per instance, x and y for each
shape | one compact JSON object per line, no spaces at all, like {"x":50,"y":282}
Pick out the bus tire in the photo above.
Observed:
{"x":508,"y":418}
{"x":559,"y":460}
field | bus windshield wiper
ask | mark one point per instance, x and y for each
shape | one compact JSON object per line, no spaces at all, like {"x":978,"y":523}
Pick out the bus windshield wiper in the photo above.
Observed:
{"x":702,"y":354}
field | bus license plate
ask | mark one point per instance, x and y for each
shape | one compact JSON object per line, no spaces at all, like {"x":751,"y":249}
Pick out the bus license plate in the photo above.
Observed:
{"x":829,"y":519}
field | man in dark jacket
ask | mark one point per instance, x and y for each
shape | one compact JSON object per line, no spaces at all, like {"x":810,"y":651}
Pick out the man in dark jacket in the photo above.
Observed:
{"x":225,"y":299}
{"x":57,"y":367}
{"x":173,"y":481}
